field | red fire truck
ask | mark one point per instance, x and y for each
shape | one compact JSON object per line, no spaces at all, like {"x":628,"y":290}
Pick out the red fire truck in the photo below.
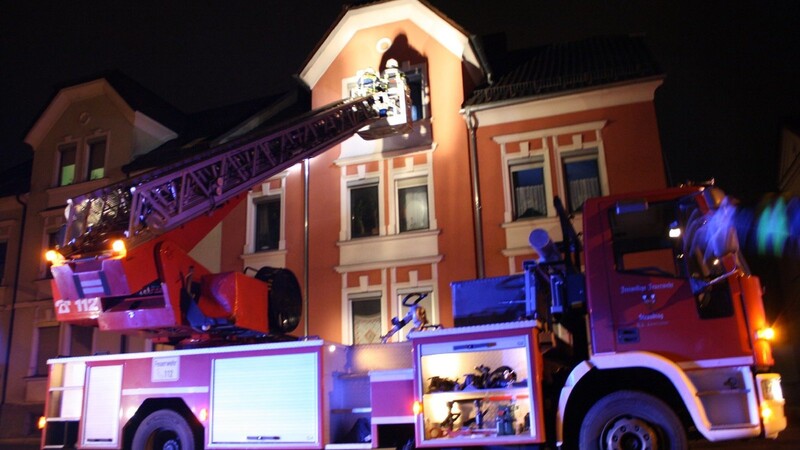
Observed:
{"x":647,"y":334}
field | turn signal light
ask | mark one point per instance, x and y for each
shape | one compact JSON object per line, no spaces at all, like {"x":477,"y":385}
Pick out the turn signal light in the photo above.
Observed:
{"x":41,"y":422}
{"x":54,"y":257}
{"x":767,"y":334}
{"x":417,"y":408}
{"x":118,"y":247}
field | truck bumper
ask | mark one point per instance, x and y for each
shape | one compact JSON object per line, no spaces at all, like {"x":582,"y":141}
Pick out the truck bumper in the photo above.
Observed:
{"x":770,"y":396}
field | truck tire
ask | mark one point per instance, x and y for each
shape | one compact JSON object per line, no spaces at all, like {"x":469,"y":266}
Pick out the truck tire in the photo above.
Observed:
{"x":632,"y":420}
{"x":163,"y":430}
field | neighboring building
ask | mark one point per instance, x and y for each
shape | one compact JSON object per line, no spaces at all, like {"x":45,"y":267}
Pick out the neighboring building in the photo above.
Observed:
{"x":786,"y":304}
{"x":386,"y":217}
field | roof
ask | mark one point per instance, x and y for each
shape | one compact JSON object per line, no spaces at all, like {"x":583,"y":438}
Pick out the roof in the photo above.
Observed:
{"x":130,"y":95}
{"x":567,"y":67}
{"x":206,"y":129}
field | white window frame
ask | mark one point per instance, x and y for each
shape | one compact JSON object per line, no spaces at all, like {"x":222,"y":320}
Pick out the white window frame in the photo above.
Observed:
{"x":580,"y":149}
{"x":525,"y":156}
{"x":81,"y":157}
{"x":360,"y":179}
{"x":87,"y":176}
{"x":60,"y":148}
{"x":432,"y":312}
{"x":401,"y":174}
{"x":363,"y":296}
{"x":253,"y":198}
{"x":411,"y":182}
{"x":519,"y":164}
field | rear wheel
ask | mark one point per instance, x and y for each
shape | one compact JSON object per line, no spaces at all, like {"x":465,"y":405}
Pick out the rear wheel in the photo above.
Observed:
{"x":163,"y":430}
{"x":629,"y":420}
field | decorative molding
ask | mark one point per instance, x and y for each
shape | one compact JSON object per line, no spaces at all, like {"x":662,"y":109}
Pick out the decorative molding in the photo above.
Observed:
{"x":539,"y":107}
{"x":379,"y":14}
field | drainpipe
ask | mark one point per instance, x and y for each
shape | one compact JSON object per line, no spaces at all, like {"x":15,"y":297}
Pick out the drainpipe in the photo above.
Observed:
{"x":472,"y":127}
{"x":305,"y":243}
{"x":14,"y":299}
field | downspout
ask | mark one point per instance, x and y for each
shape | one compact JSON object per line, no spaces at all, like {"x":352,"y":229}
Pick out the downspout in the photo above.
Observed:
{"x":13,"y":313}
{"x":472,"y":128}
{"x":305,"y":243}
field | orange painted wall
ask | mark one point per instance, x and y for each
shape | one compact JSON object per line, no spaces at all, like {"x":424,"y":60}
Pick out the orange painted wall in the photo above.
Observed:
{"x":632,"y":153}
{"x":450,"y":169}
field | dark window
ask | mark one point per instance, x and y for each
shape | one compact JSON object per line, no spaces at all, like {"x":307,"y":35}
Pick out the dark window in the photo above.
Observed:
{"x":67,"y":155}
{"x":81,"y":340}
{"x":412,"y":199}
{"x":97,"y":159}
{"x":364,"y":219}
{"x":47,"y":348}
{"x":582,"y":181}
{"x":268,"y":224}
{"x":528,"y":190}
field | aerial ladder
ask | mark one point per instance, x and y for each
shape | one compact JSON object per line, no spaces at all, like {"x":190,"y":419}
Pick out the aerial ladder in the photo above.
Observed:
{"x":124,"y":263}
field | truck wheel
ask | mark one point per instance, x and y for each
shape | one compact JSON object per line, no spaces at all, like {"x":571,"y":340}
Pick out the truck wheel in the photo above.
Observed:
{"x":163,"y":430}
{"x":628,"y":420}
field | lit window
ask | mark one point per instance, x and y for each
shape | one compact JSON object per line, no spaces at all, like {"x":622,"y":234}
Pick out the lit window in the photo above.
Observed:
{"x":528,"y":194}
{"x":97,"y":159}
{"x":412,"y":204}
{"x":267,"y":224}
{"x":67,"y":155}
{"x":582,"y":179}
{"x":365,"y":317}
{"x":364,"y":216}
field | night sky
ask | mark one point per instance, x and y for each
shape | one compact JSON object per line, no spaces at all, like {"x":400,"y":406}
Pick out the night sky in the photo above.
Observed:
{"x":732,"y":69}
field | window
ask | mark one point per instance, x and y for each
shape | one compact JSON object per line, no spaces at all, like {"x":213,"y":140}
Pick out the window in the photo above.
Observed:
{"x":365,"y":319}
{"x":528,"y":194}
{"x":364,"y":211}
{"x":426,"y":303}
{"x":642,"y":241}
{"x":67,"y":162}
{"x":417,"y":85}
{"x":81,"y":340}
{"x":46,"y":347}
{"x":412,"y":204}
{"x":97,"y":159}
{"x":267,"y":223}
{"x":581,"y":179}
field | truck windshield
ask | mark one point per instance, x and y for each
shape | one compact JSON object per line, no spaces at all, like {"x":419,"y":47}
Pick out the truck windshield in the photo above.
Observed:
{"x":646,"y":240}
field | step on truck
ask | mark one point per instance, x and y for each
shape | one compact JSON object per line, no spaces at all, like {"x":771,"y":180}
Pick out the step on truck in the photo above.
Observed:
{"x":646,"y":331}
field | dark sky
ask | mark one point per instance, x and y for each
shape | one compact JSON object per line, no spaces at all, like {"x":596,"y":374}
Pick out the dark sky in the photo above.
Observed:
{"x":733,"y":72}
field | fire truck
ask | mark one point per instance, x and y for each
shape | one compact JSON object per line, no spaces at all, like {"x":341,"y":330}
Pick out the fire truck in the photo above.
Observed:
{"x":645,"y":332}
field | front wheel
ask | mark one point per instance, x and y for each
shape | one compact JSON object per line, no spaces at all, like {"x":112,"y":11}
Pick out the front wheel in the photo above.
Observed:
{"x":163,"y":430}
{"x":629,"y":420}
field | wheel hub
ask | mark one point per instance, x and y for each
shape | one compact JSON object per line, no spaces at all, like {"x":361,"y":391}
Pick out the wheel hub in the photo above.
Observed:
{"x":630,"y":433}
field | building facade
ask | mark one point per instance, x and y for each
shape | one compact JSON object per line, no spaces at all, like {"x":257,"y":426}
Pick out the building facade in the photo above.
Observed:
{"x":365,"y":223}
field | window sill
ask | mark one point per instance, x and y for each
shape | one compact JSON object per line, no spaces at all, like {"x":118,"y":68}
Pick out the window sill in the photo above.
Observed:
{"x":389,"y":251}
{"x":58,"y":195}
{"x":268,"y":258}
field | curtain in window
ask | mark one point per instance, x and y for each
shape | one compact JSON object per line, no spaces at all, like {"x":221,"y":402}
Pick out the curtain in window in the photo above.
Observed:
{"x":582,"y":189}
{"x":414,"y":208}
{"x":530,"y":201}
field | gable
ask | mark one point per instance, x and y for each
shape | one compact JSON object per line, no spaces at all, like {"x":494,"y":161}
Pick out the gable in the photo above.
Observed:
{"x":355,"y":19}
{"x":145,"y":127}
